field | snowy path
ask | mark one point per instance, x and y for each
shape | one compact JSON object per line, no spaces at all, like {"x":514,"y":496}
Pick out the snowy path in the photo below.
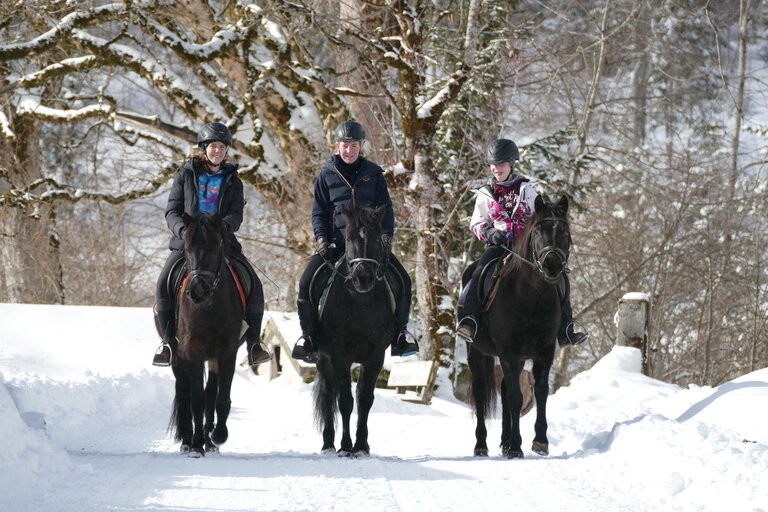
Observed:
{"x":85,"y":431}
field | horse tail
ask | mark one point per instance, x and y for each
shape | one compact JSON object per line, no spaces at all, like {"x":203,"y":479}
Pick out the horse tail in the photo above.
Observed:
{"x":173,"y":423}
{"x":325,"y":393}
{"x":483,"y":383}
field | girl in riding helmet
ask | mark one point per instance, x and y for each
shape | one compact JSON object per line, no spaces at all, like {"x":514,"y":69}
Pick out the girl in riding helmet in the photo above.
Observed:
{"x":502,"y":210}
{"x":345,"y":179}
{"x":207,"y":183}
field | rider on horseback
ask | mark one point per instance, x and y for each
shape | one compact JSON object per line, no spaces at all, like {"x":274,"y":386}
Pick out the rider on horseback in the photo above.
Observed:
{"x":502,"y":211}
{"x":348,"y":179}
{"x":207,"y":183}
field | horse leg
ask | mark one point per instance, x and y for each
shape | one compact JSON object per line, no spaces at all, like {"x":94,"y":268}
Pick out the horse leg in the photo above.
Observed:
{"x":513,"y":450}
{"x":181,"y":416}
{"x":365,"y":386}
{"x":541,"y":391}
{"x":506,"y":419}
{"x":483,"y":396}
{"x":223,"y":398}
{"x":210,"y":402}
{"x":346,"y":404}
{"x":325,"y":392}
{"x":197,"y":373}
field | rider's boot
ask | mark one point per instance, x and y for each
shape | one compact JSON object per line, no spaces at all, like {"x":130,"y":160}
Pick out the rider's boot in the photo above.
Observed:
{"x":565,"y":333}
{"x":166,"y":322}
{"x":404,"y":344}
{"x":467,"y":328}
{"x":257,"y":352}
{"x":305,"y":348}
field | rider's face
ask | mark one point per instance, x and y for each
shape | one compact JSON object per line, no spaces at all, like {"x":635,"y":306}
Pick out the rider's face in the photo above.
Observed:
{"x":216,"y":151}
{"x":349,"y":151}
{"x":501,"y":171}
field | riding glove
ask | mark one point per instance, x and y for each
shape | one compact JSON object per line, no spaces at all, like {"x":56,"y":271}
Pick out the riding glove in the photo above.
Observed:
{"x":323,"y":248}
{"x":497,"y":237}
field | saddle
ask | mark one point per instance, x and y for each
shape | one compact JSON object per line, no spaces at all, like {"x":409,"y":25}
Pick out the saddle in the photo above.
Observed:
{"x":244,"y":279}
{"x":326,"y":274}
{"x":487,"y":280}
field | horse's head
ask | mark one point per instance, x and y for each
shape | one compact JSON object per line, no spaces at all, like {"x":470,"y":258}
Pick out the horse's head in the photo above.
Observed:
{"x":206,"y":243}
{"x":365,"y":251}
{"x":550,"y":238}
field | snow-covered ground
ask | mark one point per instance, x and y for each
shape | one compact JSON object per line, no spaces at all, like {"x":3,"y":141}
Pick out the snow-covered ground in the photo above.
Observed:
{"x":83,"y":417}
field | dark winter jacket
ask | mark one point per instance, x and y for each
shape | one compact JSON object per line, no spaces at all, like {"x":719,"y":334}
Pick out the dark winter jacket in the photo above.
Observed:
{"x":183,"y":199}
{"x":366,"y":187}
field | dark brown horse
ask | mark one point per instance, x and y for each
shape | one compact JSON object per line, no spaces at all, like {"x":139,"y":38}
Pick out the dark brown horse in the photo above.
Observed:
{"x":521,"y":323}
{"x":357,"y":327}
{"x":210,"y":317}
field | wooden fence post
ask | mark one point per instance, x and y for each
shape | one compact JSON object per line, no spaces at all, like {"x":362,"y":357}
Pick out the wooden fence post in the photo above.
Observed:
{"x":632,"y":323}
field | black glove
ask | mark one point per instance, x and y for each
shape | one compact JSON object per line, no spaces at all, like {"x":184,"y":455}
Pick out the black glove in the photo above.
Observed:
{"x":323,"y":248}
{"x":497,"y":237}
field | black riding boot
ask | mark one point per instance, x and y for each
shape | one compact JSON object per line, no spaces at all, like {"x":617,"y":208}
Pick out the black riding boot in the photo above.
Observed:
{"x":305,"y":348}
{"x":468,"y":304}
{"x":565,"y":334}
{"x":257,"y":352}
{"x":166,"y":324}
{"x":404,"y":344}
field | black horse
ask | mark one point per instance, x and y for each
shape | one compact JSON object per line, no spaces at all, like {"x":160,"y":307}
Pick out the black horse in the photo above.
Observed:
{"x":521,"y":323}
{"x":358,"y":324}
{"x":210,"y":314}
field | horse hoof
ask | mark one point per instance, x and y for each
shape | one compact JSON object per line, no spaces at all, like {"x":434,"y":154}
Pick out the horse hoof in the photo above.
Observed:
{"x":219,"y":435}
{"x":184,"y":448}
{"x":511,"y":453}
{"x":344,"y":453}
{"x":328,"y":450}
{"x":361,"y":452}
{"x":540,"y":448}
{"x":211,"y":448}
{"x":481,"y":452}
{"x":195,"y":453}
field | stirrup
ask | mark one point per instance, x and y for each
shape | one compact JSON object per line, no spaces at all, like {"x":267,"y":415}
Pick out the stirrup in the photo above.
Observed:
{"x":577,"y":340}
{"x":466,"y":332}
{"x":305,"y":349}
{"x":402,"y":347}
{"x":258,"y":347}
{"x":159,"y":359}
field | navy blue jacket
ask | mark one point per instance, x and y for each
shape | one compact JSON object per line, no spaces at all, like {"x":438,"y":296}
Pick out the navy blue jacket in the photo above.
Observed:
{"x":183,"y":199}
{"x":367,"y":188}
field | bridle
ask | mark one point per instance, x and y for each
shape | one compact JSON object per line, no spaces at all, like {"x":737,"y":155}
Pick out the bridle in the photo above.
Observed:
{"x":543,"y":253}
{"x":354,"y":262}
{"x":210,"y":279}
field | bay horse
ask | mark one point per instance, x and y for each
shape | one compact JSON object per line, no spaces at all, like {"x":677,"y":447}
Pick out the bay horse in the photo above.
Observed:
{"x":210,"y":315}
{"x":357,"y":326}
{"x":521,"y":323}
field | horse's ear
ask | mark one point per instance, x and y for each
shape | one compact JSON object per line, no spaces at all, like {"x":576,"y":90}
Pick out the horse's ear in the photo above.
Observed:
{"x":539,"y":203}
{"x":187,"y":219}
{"x":563,"y":204}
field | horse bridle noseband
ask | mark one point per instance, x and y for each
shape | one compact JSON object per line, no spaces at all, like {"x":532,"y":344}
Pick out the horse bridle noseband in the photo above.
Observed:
{"x":378,"y":265}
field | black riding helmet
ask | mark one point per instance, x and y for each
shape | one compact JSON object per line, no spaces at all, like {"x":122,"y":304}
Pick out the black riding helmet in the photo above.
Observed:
{"x":214,"y":132}
{"x":349,"y":131}
{"x":502,"y":150}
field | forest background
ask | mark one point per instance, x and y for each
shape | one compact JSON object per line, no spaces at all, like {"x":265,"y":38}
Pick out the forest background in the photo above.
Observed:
{"x":649,"y":114}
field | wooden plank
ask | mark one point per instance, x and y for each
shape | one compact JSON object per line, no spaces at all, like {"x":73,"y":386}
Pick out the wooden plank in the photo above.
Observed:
{"x":410,"y":373}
